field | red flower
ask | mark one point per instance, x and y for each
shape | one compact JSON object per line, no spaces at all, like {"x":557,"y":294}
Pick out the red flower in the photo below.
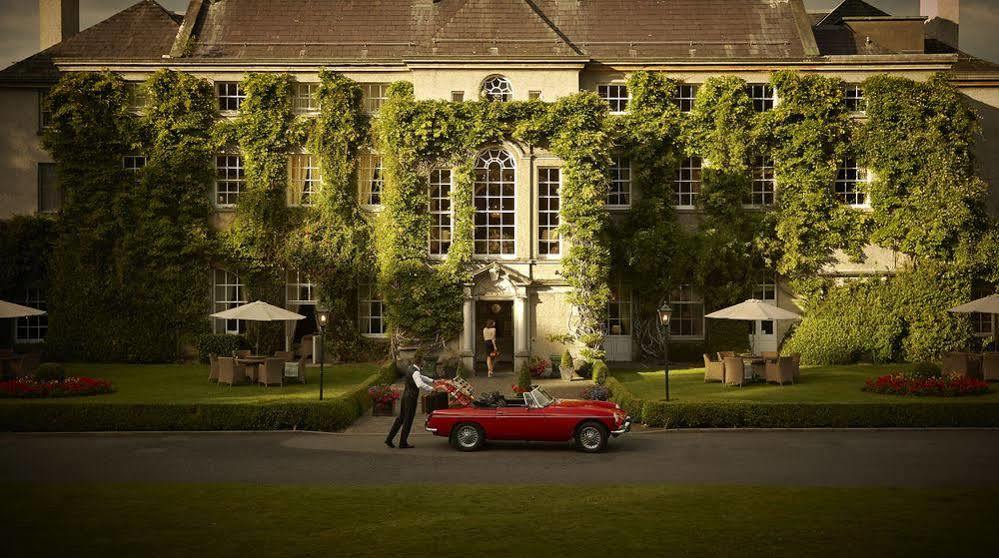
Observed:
{"x":952,"y":385}
{"x":30,"y":387}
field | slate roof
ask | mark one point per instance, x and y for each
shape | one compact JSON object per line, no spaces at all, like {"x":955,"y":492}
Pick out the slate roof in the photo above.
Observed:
{"x":141,"y":32}
{"x":850,"y":8}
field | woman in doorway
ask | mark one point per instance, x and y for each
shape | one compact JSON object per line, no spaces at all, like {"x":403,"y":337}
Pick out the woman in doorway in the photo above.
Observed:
{"x":492,"y":351}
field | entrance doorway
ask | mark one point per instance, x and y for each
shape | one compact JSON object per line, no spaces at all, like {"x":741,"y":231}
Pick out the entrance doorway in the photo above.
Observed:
{"x":501,"y":311}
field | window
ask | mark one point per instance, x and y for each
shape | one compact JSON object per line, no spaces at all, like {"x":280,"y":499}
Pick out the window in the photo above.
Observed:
{"x":615,"y":95}
{"x":982,"y":324}
{"x":853,"y":96}
{"x":766,"y":292}
{"x":688,"y":313}
{"x":230,"y":180}
{"x":851,"y":183}
{"x":133,"y":163}
{"x":49,"y":194}
{"x":618,"y":312}
{"x":494,"y":203}
{"x":534,"y":95}
{"x":32,"y":329}
{"x":684,"y":97}
{"x":548,"y":212}
{"x":138,"y":96}
{"x":371,"y":319}
{"x":440,"y":212}
{"x":230,"y":94}
{"x":457,"y":96}
{"x":304,"y":179}
{"x":762,"y":189}
{"x":228,"y":293}
{"x":371,"y":181}
{"x":373,"y":95}
{"x":299,"y":289}
{"x":619,"y":189}
{"x":306,"y":97}
{"x":688,"y":183}
{"x":762,"y":96}
{"x":44,"y":110}
{"x":497,"y":88}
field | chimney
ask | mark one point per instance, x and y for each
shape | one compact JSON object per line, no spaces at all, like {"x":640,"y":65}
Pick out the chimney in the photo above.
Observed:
{"x":942,"y":20}
{"x":58,"y":20}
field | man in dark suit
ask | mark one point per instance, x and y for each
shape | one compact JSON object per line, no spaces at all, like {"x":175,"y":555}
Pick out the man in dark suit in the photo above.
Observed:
{"x":415,"y":382}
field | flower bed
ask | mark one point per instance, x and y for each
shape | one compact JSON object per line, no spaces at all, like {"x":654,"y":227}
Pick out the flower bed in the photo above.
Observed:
{"x":70,"y":387}
{"x":598,"y":393}
{"x":945,"y":386}
{"x":383,"y":394}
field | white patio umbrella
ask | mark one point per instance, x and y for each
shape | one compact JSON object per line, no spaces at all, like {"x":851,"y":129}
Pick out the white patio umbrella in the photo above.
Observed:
{"x":985,"y":305}
{"x":753,"y":310}
{"x":11,"y":310}
{"x":258,"y":311}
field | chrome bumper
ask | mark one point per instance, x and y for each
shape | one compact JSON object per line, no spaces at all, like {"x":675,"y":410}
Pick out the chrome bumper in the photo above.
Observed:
{"x":626,"y":427}
{"x":431,"y":430}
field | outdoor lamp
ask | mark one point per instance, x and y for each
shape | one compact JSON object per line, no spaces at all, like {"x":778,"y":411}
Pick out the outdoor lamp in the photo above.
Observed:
{"x":322,"y":320}
{"x":665,"y":313}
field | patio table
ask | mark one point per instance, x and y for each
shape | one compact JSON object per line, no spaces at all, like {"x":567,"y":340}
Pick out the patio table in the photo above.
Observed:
{"x":755,"y":364}
{"x":252,"y":364}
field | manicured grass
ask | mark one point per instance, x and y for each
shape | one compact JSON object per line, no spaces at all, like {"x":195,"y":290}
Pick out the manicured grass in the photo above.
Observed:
{"x":188,"y":383}
{"x":252,"y":520}
{"x":818,"y":384}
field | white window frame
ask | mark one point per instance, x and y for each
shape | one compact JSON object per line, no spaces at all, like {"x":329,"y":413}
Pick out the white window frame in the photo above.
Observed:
{"x":133,"y":163}
{"x":138,"y":96}
{"x":763,"y":183}
{"x":497,"y":88}
{"x":687,"y":188}
{"x":305,"y":179}
{"x":295,"y":284}
{"x":368,"y":299}
{"x":763,"y":96}
{"x":854,"y":98}
{"x":373,"y":96}
{"x":619,"y":184}
{"x":222,"y":281}
{"x":615,"y":95}
{"x":685,"y":95}
{"x":681,"y":297}
{"x":307,"y":96}
{"x":44,"y":110}
{"x":42,"y":188}
{"x":623,"y":301}
{"x":507,"y":162}
{"x":980,"y":319}
{"x":441,"y":213}
{"x":32,"y":329}
{"x":846,"y":187}
{"x":229,"y":93}
{"x":234,"y":176}
{"x":371,"y":180}
{"x":549,"y":194}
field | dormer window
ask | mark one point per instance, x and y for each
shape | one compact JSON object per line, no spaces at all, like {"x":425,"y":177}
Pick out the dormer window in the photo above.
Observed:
{"x":497,"y":88}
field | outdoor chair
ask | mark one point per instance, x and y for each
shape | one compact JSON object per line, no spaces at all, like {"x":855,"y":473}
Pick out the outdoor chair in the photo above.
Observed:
{"x":27,"y":365}
{"x":990,"y":367}
{"x":722,"y":355}
{"x":213,"y":368}
{"x":305,"y":349}
{"x":735,"y":371}
{"x":782,"y":372}
{"x":271,"y":372}
{"x":714,"y":370}
{"x":230,"y":372}
{"x":796,"y":358}
{"x":243,"y":353}
{"x":286,"y":356}
{"x":964,"y":364}
{"x":295,"y":369}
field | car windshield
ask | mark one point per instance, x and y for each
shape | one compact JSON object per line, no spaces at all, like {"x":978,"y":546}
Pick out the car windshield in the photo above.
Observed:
{"x":542,"y":397}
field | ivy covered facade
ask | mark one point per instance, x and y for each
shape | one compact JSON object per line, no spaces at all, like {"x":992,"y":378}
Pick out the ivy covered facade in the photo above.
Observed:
{"x":565,"y":198}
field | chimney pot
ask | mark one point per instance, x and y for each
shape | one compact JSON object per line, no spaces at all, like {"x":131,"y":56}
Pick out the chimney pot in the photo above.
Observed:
{"x":943,"y":19}
{"x":58,"y":20}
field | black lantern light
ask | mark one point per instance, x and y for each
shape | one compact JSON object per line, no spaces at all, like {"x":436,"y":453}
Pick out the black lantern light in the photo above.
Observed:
{"x":322,"y":320}
{"x":665,"y":315}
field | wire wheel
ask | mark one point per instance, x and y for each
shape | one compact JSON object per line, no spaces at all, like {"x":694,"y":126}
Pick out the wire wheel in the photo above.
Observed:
{"x":591,"y":437}
{"x":467,"y":437}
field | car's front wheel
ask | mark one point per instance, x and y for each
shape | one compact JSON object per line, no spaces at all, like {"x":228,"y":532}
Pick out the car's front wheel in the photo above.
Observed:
{"x":591,"y":437}
{"x":467,"y":437}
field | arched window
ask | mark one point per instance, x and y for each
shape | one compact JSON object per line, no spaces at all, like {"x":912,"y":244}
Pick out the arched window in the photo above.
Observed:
{"x":495,"y":216}
{"x":497,"y":88}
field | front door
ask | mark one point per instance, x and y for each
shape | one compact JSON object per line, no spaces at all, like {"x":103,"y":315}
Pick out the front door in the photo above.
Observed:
{"x":500,"y":311}
{"x":764,"y":336}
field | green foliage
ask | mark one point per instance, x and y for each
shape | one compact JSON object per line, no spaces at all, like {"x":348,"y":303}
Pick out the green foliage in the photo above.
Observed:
{"x":25,"y":248}
{"x":524,"y":377}
{"x":923,"y":370}
{"x":600,"y":372}
{"x":566,"y":363}
{"x":220,"y":344}
{"x":50,"y":372}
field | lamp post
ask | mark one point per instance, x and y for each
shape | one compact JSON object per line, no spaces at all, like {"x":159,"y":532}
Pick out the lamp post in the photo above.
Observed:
{"x":665,"y":313}
{"x":322,"y":320}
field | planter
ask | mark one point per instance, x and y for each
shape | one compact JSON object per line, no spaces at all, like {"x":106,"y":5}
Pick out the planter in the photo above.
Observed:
{"x":383,"y":409}
{"x":566,"y":373}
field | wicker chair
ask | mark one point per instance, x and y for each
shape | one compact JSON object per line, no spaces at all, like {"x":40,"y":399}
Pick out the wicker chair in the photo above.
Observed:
{"x":27,"y":365}
{"x":796,"y":358}
{"x":242,"y":353}
{"x":286,"y":356}
{"x":735,"y":371}
{"x":213,"y":368}
{"x":271,"y":372}
{"x":230,"y":372}
{"x":305,"y":348}
{"x":714,"y":370}
{"x":783,"y":372}
{"x":990,"y":367}
{"x":295,"y":369}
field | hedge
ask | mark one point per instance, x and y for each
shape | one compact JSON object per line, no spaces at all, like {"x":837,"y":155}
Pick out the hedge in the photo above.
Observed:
{"x":332,"y":415}
{"x":803,"y":415}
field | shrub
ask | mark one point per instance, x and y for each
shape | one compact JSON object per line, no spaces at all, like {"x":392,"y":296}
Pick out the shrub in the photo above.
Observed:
{"x":50,"y":372}
{"x":585,"y":369}
{"x":599,"y":372}
{"x":922,"y":370}
{"x":596,"y":393}
{"x":219,"y":344}
{"x":952,"y":385}
{"x":524,"y":378}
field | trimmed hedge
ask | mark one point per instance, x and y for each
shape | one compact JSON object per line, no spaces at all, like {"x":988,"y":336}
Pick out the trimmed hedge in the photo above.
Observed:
{"x":803,"y":415}
{"x":332,"y":415}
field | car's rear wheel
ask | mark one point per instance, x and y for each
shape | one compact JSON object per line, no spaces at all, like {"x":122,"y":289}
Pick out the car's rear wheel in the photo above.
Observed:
{"x":467,"y":437}
{"x":591,"y":437}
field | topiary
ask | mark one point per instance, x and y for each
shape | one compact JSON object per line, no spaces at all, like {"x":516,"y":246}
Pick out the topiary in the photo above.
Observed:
{"x":599,"y":372}
{"x":524,"y":378}
{"x":50,"y":372}
{"x":923,"y":370}
{"x":566,"y":363}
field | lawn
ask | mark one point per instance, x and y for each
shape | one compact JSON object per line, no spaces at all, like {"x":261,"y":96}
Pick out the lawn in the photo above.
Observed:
{"x":188,"y":383}
{"x":818,"y":384}
{"x":550,"y":521}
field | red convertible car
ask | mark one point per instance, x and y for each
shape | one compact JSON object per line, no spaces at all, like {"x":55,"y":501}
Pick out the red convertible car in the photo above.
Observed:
{"x":536,"y":417}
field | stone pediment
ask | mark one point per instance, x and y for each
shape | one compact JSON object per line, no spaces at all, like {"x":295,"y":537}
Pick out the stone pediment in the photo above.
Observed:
{"x":496,"y":279}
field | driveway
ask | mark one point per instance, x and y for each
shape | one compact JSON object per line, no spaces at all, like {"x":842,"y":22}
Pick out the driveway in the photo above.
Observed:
{"x":746,"y":457}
